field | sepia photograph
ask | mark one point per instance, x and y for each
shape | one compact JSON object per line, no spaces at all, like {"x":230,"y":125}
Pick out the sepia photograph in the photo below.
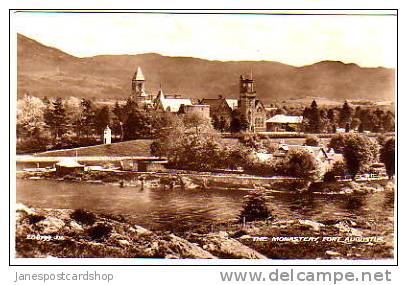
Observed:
{"x":252,"y":134}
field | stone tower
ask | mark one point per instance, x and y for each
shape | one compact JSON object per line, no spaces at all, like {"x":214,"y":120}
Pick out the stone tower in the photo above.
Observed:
{"x":247,"y":100}
{"x":137,"y":87}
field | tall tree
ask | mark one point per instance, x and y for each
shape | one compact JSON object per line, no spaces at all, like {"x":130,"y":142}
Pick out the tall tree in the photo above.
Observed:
{"x":55,"y":118}
{"x":238,"y":122}
{"x":331,"y":116}
{"x":313,"y":117}
{"x":102,"y":119}
{"x":87,"y":118}
{"x":118,"y":120}
{"x":30,"y":112}
{"x":138,"y":125}
{"x":345,"y":115}
{"x":388,"y":122}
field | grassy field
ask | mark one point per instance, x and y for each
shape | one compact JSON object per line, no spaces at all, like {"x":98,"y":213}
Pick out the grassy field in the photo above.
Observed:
{"x":128,"y":148}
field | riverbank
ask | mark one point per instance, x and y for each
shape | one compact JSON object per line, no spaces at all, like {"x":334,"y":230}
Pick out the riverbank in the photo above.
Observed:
{"x":77,"y":233}
{"x":208,"y":180}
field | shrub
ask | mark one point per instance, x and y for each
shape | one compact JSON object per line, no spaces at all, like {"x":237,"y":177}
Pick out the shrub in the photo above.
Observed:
{"x":251,"y":141}
{"x":234,"y":156}
{"x":388,"y":156}
{"x":339,"y":169}
{"x":311,"y":141}
{"x":337,"y":142}
{"x":262,"y":168}
{"x":329,"y":176}
{"x":269,"y":145}
{"x":155,"y":149}
{"x":33,"y":219}
{"x":83,"y":217}
{"x":381,"y":139}
{"x":359,"y":153}
{"x":255,"y":207}
{"x":100,"y":231}
{"x":302,"y":164}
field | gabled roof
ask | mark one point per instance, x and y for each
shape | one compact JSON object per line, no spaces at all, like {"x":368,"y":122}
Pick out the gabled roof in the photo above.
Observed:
{"x":139,"y":74}
{"x":258,"y":104}
{"x":285,"y":119}
{"x":160,"y":94}
{"x":314,"y":150}
{"x":232,"y":103}
{"x":173,"y":105}
{"x":215,"y":103}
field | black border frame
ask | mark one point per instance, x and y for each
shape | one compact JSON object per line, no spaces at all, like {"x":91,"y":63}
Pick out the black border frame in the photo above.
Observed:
{"x":207,"y":12}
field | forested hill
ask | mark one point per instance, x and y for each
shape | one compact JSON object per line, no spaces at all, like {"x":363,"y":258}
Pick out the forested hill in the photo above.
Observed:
{"x":46,"y":71}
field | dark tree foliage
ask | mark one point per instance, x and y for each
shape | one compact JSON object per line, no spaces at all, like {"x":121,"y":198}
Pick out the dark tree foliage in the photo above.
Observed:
{"x":83,"y":217}
{"x":359,"y":152}
{"x":87,"y":118}
{"x":223,"y":124}
{"x":345,"y":115}
{"x":314,"y":118}
{"x":331,"y":116}
{"x":251,"y":141}
{"x":255,"y":207}
{"x":55,"y":118}
{"x":102,"y":119}
{"x":118,"y":120}
{"x":337,"y":142}
{"x":388,"y":156}
{"x":100,"y":232}
{"x":388,"y":122}
{"x":238,"y":123}
{"x":302,"y":164}
{"x":137,"y":125}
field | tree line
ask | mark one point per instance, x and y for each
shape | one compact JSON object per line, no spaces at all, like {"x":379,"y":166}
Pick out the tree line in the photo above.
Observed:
{"x":327,"y":120}
{"x":194,"y":144}
{"x":60,"y":123}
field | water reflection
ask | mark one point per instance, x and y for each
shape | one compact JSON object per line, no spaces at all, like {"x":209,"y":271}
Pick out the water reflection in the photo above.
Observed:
{"x":182,"y":210}
{"x":303,"y":204}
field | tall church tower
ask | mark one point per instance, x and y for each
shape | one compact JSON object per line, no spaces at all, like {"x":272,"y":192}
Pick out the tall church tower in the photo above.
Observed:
{"x":247,"y":100}
{"x":137,"y":87}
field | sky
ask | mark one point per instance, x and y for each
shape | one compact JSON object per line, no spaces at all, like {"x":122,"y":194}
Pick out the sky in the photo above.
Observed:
{"x":367,"y":40}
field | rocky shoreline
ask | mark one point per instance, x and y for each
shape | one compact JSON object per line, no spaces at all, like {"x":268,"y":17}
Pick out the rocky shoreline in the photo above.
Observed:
{"x":79,"y":233}
{"x":205,"y":180}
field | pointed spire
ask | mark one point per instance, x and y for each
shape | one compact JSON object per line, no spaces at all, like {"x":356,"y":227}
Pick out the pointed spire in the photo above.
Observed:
{"x":160,"y":93}
{"x":139,"y":74}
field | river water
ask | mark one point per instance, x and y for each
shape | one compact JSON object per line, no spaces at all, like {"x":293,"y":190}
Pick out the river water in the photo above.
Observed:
{"x":179,"y":210}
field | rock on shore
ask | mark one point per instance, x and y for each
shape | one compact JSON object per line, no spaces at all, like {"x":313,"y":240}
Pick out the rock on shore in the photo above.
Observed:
{"x":68,"y":233}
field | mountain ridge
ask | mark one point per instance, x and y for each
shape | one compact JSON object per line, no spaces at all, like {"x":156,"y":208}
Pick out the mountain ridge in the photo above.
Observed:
{"x":47,"y":71}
